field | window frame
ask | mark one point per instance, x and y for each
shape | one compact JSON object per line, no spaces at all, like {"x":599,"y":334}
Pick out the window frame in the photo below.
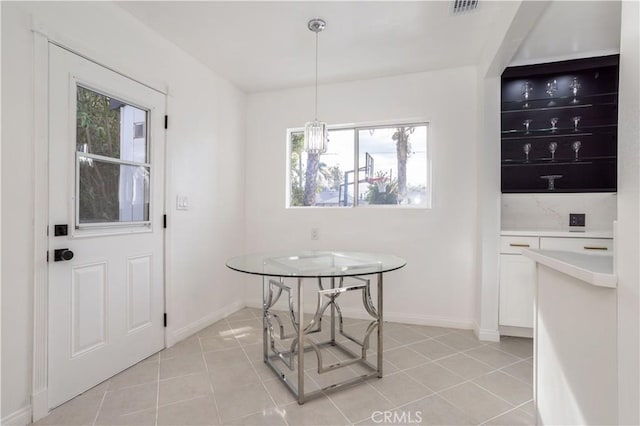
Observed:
{"x":130,"y":226}
{"x":357,"y":127}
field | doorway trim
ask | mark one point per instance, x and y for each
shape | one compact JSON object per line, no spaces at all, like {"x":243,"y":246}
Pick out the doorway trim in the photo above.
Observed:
{"x":42,"y":39}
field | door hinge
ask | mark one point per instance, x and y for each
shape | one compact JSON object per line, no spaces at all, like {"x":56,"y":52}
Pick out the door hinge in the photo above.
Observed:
{"x":164,"y":221}
{"x":166,"y":121}
{"x":47,"y":256}
{"x":165,"y":319}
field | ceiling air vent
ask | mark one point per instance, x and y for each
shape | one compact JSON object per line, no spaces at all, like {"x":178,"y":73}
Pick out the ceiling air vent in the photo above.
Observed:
{"x":463,"y":6}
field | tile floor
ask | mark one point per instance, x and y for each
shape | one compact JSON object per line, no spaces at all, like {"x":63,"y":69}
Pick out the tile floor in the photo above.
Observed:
{"x":432,"y":376}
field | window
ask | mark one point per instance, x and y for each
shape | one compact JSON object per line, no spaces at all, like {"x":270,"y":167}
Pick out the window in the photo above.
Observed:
{"x":112,"y":165}
{"x":138,"y":130}
{"x":391,"y":168}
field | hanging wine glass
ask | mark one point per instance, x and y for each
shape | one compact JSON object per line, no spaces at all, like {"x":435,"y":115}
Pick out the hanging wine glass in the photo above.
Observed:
{"x":576,"y":147}
{"x":575,"y":87}
{"x":526,"y":124}
{"x":527,"y":149}
{"x":552,"y":89}
{"x":553,"y":146}
{"x":553,"y":122}
{"x":575,"y":120}
{"x":527,"y":88}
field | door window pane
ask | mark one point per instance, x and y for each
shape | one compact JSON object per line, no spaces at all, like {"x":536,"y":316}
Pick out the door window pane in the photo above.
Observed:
{"x":397,"y":159}
{"x":109,"y":127}
{"x":111,"y":192}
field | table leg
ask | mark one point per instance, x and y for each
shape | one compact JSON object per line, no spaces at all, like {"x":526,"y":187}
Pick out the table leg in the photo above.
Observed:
{"x":380,"y":324}
{"x":300,"y":337}
{"x":265,"y":346}
{"x":333,"y":314}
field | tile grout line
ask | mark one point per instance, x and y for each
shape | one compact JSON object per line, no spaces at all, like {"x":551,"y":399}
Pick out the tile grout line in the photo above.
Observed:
{"x":180,"y":401}
{"x":513,"y":406}
{"x":157,"y":391}
{"x":206,"y":367}
{"x":104,"y":395}
{"x":514,"y":377}
{"x":496,"y":395}
{"x":501,"y":369}
{"x":439,"y":393}
{"x":488,"y":345}
{"x":508,"y":411}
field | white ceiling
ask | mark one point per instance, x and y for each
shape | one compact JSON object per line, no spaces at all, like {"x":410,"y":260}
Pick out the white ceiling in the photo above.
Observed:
{"x":572,"y":29}
{"x":266,"y":45}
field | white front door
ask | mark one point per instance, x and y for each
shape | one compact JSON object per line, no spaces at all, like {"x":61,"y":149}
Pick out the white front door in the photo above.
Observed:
{"x":106,"y":177}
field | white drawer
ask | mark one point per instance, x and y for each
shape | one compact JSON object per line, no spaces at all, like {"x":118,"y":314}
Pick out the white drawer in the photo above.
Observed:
{"x":583,"y":245}
{"x":515,"y":245}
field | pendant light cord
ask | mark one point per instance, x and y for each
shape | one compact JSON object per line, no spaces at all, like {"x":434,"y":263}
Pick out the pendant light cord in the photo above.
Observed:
{"x":316,"y":106}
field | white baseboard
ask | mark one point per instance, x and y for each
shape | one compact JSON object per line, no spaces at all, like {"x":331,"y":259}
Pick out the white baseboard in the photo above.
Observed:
{"x":486,"y":334}
{"x":40,"y":404}
{"x":22,"y":417}
{"x":401,"y":317}
{"x":506,"y":330}
{"x":182,"y":333}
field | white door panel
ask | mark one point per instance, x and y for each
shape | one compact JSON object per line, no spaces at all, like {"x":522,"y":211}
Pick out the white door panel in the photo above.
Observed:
{"x":106,"y":174}
{"x":139,"y":292}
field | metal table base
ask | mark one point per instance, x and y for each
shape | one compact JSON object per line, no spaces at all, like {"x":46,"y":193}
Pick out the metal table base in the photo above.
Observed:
{"x":293,"y":358}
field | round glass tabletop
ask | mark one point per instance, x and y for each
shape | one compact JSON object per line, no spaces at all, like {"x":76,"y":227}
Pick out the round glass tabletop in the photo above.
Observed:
{"x":310,"y":263}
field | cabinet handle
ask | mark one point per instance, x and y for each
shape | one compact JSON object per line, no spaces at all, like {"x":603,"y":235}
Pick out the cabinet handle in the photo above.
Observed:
{"x":520,"y":245}
{"x":595,"y":248}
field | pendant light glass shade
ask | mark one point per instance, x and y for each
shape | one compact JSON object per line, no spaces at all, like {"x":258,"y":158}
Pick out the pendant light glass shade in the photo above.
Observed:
{"x":315,"y":137}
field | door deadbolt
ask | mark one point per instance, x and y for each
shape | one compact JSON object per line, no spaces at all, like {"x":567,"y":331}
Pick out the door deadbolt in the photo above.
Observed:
{"x":62,"y":254}
{"x":60,"y":230}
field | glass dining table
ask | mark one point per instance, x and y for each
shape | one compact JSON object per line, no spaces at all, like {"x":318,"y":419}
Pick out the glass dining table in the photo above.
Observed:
{"x":287,"y":335}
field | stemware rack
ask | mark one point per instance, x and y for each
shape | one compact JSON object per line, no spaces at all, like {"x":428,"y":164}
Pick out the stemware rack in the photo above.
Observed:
{"x":546,"y":109}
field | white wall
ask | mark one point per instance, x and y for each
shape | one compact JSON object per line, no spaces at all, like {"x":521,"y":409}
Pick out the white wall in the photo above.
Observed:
{"x":206,"y":162}
{"x":571,"y":30}
{"x":437,"y":286}
{"x":628,"y":235}
{"x":506,"y":37}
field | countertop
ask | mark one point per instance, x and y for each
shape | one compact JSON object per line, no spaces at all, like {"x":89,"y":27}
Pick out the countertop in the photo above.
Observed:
{"x":556,"y":233}
{"x":596,"y":270}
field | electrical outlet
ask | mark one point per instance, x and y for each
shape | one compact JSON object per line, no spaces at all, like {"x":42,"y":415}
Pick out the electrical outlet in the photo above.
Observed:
{"x":315,"y":234}
{"x":577,"y":219}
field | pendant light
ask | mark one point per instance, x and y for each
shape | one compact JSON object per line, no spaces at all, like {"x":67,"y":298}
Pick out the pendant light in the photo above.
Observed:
{"x":315,"y":132}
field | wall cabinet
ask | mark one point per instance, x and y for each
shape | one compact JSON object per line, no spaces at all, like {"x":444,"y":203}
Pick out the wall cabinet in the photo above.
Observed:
{"x":559,"y":126}
{"x":518,"y":273}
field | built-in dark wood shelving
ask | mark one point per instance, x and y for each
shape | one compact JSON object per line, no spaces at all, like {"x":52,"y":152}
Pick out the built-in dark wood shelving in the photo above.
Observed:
{"x":595,"y":102}
{"x":555,"y":162}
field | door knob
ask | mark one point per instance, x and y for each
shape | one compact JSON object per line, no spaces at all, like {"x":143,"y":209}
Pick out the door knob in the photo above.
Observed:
{"x":62,"y":254}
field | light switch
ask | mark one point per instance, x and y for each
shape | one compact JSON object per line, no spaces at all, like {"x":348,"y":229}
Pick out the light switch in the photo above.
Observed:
{"x":182,"y":202}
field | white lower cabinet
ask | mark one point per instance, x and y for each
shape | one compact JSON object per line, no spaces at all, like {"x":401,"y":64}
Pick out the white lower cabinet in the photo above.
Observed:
{"x":517,"y":284}
{"x":603,"y":246}
{"x":518,"y":273}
